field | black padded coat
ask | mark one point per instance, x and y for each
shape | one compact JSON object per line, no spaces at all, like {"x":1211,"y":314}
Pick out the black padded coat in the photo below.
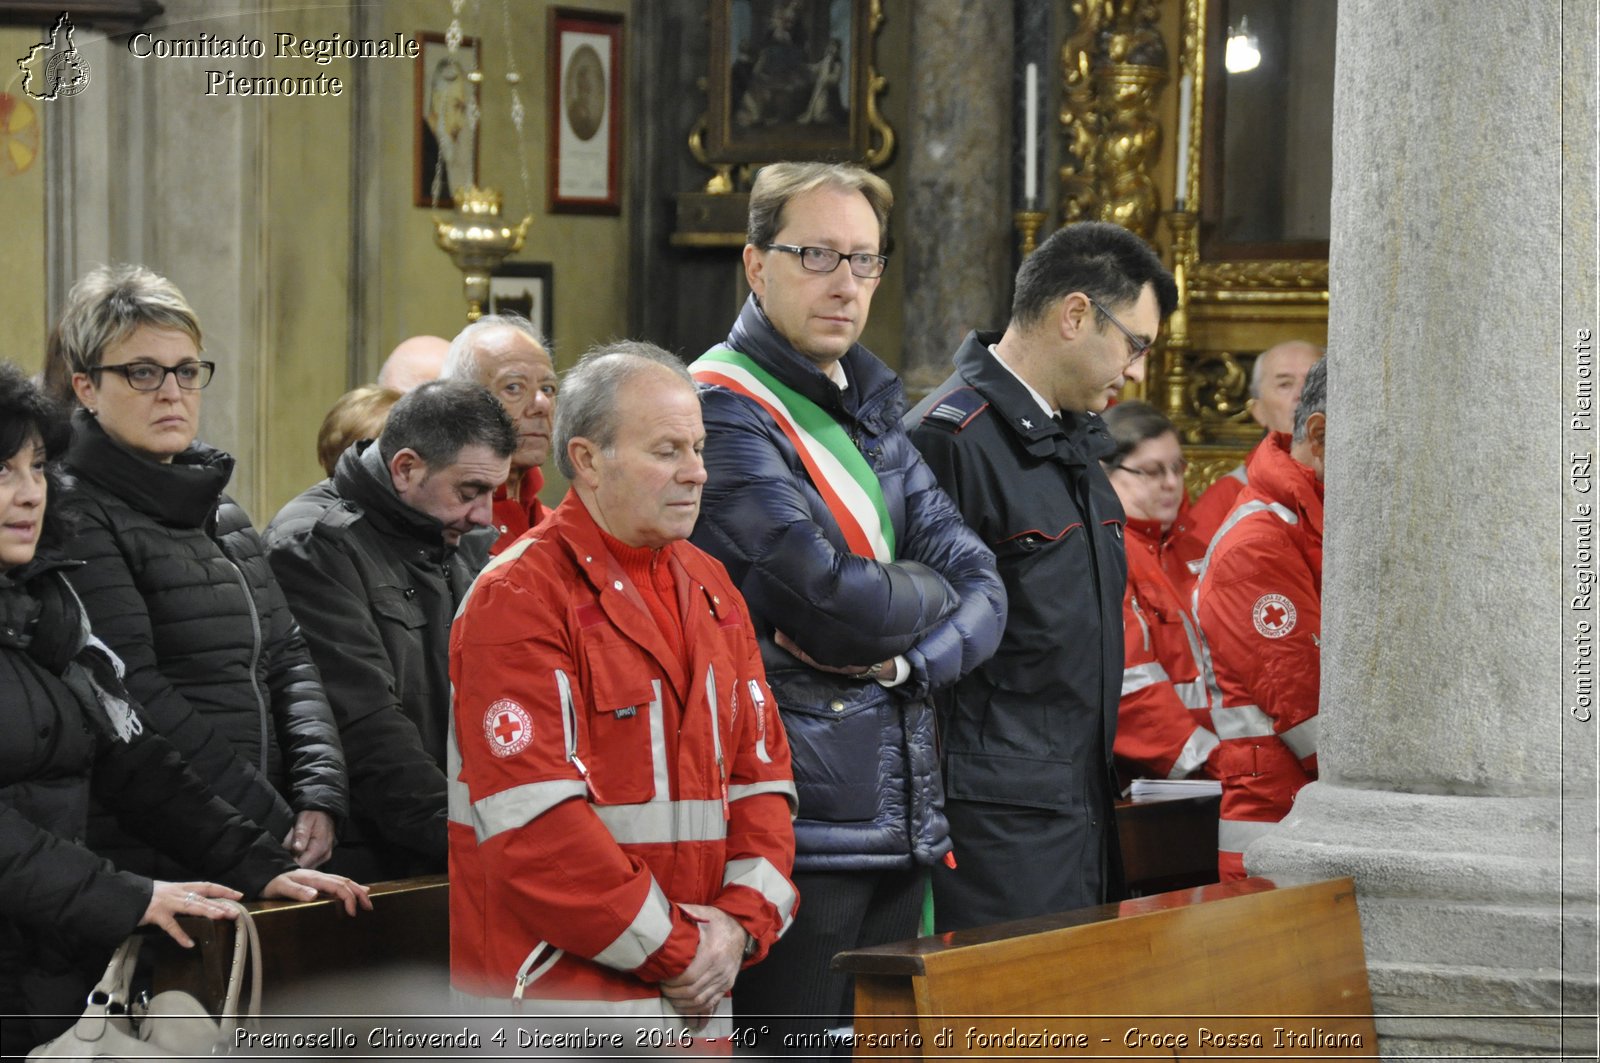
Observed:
{"x":63,"y":908}
{"x":176,"y":582}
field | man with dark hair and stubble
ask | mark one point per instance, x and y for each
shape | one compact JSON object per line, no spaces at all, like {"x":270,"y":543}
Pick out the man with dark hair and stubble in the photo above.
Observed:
{"x":1014,"y":436}
{"x":368,"y":561}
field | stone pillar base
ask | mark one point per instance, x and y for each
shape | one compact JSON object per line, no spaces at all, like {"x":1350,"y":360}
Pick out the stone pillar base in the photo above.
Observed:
{"x":1478,"y":913}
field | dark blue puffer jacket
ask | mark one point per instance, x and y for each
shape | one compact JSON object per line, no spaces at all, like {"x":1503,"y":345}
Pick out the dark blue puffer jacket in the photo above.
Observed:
{"x":865,"y":757}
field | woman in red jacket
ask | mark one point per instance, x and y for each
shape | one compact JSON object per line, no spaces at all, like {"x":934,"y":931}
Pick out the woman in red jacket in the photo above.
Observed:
{"x":1164,"y":719}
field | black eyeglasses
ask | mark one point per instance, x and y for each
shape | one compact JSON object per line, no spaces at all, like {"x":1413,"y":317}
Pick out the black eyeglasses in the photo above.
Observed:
{"x":826,"y":260}
{"x":1177,"y":469}
{"x":1137,"y":348}
{"x":148,"y":376}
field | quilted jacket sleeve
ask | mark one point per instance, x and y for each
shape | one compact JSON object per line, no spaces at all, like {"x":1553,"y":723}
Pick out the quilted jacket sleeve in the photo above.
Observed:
{"x":937,"y":536}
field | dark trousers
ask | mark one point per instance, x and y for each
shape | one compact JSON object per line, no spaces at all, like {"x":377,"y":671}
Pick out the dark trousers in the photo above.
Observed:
{"x":795,"y":990}
{"x":1015,"y":863}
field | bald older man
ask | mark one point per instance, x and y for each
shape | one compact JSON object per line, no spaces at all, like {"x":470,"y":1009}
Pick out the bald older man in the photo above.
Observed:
{"x":1275,"y":382}
{"x":506,"y":354}
{"x":413,"y":363}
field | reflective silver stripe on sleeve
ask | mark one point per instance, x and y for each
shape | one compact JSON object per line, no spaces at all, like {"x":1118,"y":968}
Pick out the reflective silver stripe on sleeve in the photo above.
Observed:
{"x":1142,"y":675}
{"x":458,"y":801}
{"x":658,"y":743}
{"x":1279,"y":510}
{"x":520,"y":805}
{"x":757,"y":873}
{"x":760,"y":703}
{"x":664,"y":822}
{"x":774,"y":786}
{"x":1241,"y":721}
{"x":1302,"y":738}
{"x":505,"y":557}
{"x":1238,"y":473}
{"x":648,"y":932}
{"x":1193,"y":694}
{"x":1195,"y":751}
{"x":1234,"y":835}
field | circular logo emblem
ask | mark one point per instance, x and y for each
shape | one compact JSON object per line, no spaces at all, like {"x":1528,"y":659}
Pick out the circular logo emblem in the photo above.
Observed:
{"x":508,"y":728}
{"x":1274,"y":616}
{"x":66,"y":74}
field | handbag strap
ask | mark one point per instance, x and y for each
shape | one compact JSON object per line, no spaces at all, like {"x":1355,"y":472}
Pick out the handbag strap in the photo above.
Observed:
{"x":112,"y":989}
{"x":246,"y":948}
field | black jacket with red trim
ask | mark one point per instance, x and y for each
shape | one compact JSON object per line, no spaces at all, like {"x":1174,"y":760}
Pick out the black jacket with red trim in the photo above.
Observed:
{"x":1034,"y":725}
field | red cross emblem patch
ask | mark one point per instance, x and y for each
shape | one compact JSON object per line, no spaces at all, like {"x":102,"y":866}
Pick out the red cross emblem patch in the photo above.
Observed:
{"x":1274,"y":616}
{"x":508,"y":728}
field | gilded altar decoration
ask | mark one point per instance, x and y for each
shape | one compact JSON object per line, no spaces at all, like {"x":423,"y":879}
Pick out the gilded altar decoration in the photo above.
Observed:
{"x":1114,"y":65}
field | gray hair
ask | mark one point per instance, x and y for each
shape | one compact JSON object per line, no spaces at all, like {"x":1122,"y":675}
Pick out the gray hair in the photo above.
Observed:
{"x":589,"y":393}
{"x":462,"y":361}
{"x":1258,"y":367}
{"x":1313,"y":399}
{"x":106,"y":306}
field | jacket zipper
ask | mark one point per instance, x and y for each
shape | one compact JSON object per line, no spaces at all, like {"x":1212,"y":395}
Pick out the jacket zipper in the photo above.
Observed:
{"x":569,"y":724}
{"x":255,"y":658}
{"x":716,"y":737}
{"x":758,"y":700}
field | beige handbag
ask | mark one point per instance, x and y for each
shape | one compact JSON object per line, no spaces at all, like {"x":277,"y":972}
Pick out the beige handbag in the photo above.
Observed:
{"x":171,"y":1023}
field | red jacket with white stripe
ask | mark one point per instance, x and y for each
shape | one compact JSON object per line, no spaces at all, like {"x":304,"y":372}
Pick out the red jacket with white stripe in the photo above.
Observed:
{"x":599,"y":780}
{"x":1164,"y":717}
{"x":1259,"y":601}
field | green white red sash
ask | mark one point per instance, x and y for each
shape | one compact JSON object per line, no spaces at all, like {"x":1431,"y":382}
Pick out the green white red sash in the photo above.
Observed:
{"x":840,"y":474}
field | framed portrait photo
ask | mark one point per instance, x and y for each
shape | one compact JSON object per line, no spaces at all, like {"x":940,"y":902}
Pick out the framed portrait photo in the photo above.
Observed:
{"x":789,"y":80}
{"x":447,"y":112}
{"x":585,"y":121}
{"x":525,"y":288}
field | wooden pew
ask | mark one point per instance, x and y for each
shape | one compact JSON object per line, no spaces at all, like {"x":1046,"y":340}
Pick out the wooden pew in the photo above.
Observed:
{"x":408,"y":928}
{"x":1232,"y":969}
{"x":1168,"y":843}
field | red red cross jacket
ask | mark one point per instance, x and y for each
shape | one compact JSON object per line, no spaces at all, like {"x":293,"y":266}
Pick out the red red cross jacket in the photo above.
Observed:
{"x":513,"y":516}
{"x":1164,"y":717}
{"x":1259,"y":601}
{"x":599,"y":780}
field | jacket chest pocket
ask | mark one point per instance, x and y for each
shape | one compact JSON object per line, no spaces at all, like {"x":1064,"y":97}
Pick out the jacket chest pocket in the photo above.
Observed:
{"x":398,"y":606}
{"x":625,"y":721}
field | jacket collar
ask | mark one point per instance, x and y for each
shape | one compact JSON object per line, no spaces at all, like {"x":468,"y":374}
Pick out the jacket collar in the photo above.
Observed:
{"x":184,"y":492}
{"x":621,"y":601}
{"x":1078,"y":438}
{"x":362,"y":477}
{"x":1274,"y":473}
{"x":874,"y":398}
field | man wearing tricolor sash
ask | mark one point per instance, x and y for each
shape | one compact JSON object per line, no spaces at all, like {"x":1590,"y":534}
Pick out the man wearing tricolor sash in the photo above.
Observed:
{"x":1015,"y":436}
{"x":867,"y":590}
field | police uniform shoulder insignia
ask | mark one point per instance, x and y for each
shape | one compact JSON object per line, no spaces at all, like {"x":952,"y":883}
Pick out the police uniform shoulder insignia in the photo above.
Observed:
{"x":955,"y":410}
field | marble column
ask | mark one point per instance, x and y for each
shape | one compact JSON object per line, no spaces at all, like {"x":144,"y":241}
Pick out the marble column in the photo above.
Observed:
{"x":955,"y":202}
{"x":1458,"y":765}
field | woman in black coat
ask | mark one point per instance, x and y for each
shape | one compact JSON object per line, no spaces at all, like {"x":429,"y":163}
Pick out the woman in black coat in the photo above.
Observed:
{"x":71,"y":731}
{"x":175,"y":579}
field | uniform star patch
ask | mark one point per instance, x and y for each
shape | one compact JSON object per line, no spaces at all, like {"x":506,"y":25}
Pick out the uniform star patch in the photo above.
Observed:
{"x":507,"y":727}
{"x":1274,"y":616}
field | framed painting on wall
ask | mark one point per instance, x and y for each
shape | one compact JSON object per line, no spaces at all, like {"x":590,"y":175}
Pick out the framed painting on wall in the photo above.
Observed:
{"x":446,"y":120}
{"x":525,"y":288}
{"x":585,"y":120}
{"x":790,"y":79}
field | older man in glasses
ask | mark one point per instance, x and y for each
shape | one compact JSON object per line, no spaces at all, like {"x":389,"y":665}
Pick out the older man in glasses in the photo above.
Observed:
{"x":1015,"y":438}
{"x":867,"y":590}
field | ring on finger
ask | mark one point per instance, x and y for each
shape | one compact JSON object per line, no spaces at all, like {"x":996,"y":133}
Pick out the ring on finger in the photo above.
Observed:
{"x":191,"y":897}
